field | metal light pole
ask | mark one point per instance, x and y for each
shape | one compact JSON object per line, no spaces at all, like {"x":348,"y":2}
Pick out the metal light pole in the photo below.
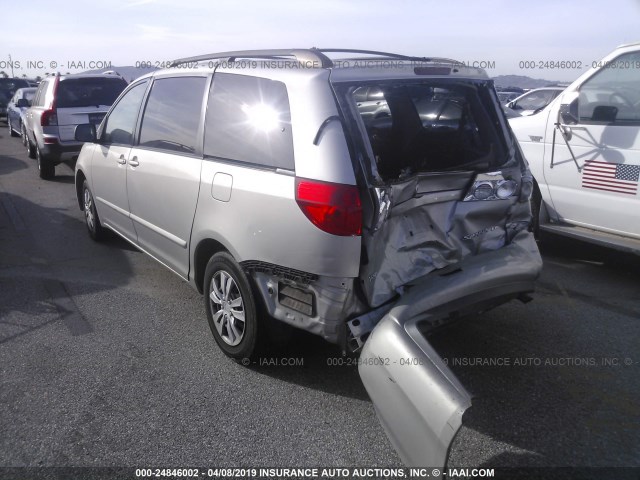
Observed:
{"x":11,"y":64}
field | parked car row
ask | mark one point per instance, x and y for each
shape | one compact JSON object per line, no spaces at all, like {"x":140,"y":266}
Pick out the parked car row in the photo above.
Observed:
{"x":374,"y":203}
{"x":45,"y":117}
{"x":8,"y":88}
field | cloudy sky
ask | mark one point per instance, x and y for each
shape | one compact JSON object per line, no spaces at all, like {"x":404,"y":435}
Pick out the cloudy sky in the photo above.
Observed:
{"x":501,"y":33}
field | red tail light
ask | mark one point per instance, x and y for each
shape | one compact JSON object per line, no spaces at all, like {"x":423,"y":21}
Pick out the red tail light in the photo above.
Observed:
{"x":49,"y":118}
{"x":332,"y":207}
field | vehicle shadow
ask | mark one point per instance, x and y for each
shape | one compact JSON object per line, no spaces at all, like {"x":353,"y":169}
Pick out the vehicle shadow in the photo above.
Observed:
{"x":312,"y":362}
{"x":557,"y":247}
{"x":65,"y":173}
{"x":11,"y":164}
{"x":69,"y":179}
{"x":38,"y":270}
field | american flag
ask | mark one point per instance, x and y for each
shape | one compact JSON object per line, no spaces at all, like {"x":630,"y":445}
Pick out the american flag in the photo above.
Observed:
{"x":612,"y":177}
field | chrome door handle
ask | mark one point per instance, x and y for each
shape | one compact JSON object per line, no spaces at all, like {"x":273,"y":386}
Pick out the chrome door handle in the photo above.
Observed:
{"x":134,"y":162}
{"x":122,"y":160}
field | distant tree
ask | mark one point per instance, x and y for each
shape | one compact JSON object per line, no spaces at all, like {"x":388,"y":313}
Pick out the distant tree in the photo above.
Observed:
{"x":68,"y":73}
{"x":38,"y":78}
{"x":24,"y":75}
{"x":3,"y":74}
{"x":47,"y":74}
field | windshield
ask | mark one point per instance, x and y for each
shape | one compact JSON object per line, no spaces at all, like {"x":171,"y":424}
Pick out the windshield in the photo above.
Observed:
{"x":86,"y":92}
{"x":428,"y":126}
{"x":536,"y":100}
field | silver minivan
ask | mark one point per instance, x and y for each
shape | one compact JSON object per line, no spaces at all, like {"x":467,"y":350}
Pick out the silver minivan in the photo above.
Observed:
{"x":256,"y":177}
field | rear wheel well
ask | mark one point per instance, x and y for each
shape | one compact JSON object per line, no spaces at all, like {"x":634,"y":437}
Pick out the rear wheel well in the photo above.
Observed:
{"x":204,"y":251}
{"x":80,"y":178}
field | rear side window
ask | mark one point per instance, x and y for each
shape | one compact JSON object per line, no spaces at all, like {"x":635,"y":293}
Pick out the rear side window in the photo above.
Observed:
{"x":429,"y":127}
{"x":172,"y":116}
{"x":249,"y":120}
{"x":39,"y":100}
{"x":87,"y":92}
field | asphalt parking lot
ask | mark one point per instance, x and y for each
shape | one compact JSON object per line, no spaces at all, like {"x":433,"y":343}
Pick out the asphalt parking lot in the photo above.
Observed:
{"x":106,"y":359}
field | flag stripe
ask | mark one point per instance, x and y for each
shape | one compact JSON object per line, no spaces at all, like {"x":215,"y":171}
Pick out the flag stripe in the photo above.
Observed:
{"x":597,"y":161}
{"x":603,"y":170}
{"x":620,"y":189}
{"x":609,"y":190}
{"x":606,"y":180}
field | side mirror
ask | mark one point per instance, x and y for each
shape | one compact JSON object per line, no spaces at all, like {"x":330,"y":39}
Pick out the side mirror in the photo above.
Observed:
{"x":85,"y":132}
{"x":23,"y":103}
{"x":568,"y":113}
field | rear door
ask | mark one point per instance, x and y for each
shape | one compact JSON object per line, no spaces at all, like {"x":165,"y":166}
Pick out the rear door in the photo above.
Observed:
{"x":600,"y":188}
{"x":163,"y":177}
{"x":84,"y":100}
{"x":109,"y":162}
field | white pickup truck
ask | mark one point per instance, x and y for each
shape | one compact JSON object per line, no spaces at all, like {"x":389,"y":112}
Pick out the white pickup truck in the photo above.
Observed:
{"x":584,"y":152}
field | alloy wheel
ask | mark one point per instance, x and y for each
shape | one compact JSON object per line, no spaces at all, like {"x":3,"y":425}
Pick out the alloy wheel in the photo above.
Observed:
{"x":227,"y":307}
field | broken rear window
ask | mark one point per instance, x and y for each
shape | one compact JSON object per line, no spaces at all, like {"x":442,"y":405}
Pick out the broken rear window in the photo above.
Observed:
{"x":428,"y":127}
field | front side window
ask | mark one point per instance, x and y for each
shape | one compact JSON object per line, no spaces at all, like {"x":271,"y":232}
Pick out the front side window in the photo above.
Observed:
{"x":612,"y":96}
{"x":121,"y":122}
{"x":429,"y":127}
{"x":249,"y":120}
{"x":172,"y":115}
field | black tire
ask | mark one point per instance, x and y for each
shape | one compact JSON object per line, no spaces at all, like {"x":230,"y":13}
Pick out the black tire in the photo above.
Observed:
{"x":23,"y":133}
{"x":536,"y":204}
{"x":31,"y":151}
{"x":46,"y":169}
{"x":238,"y":339}
{"x":95,"y":229}
{"x":11,"y":132}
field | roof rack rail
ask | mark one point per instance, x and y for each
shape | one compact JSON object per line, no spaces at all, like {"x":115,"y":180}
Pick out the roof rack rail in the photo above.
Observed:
{"x":306,"y":55}
{"x":396,"y":56}
{"x":370,"y":52}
